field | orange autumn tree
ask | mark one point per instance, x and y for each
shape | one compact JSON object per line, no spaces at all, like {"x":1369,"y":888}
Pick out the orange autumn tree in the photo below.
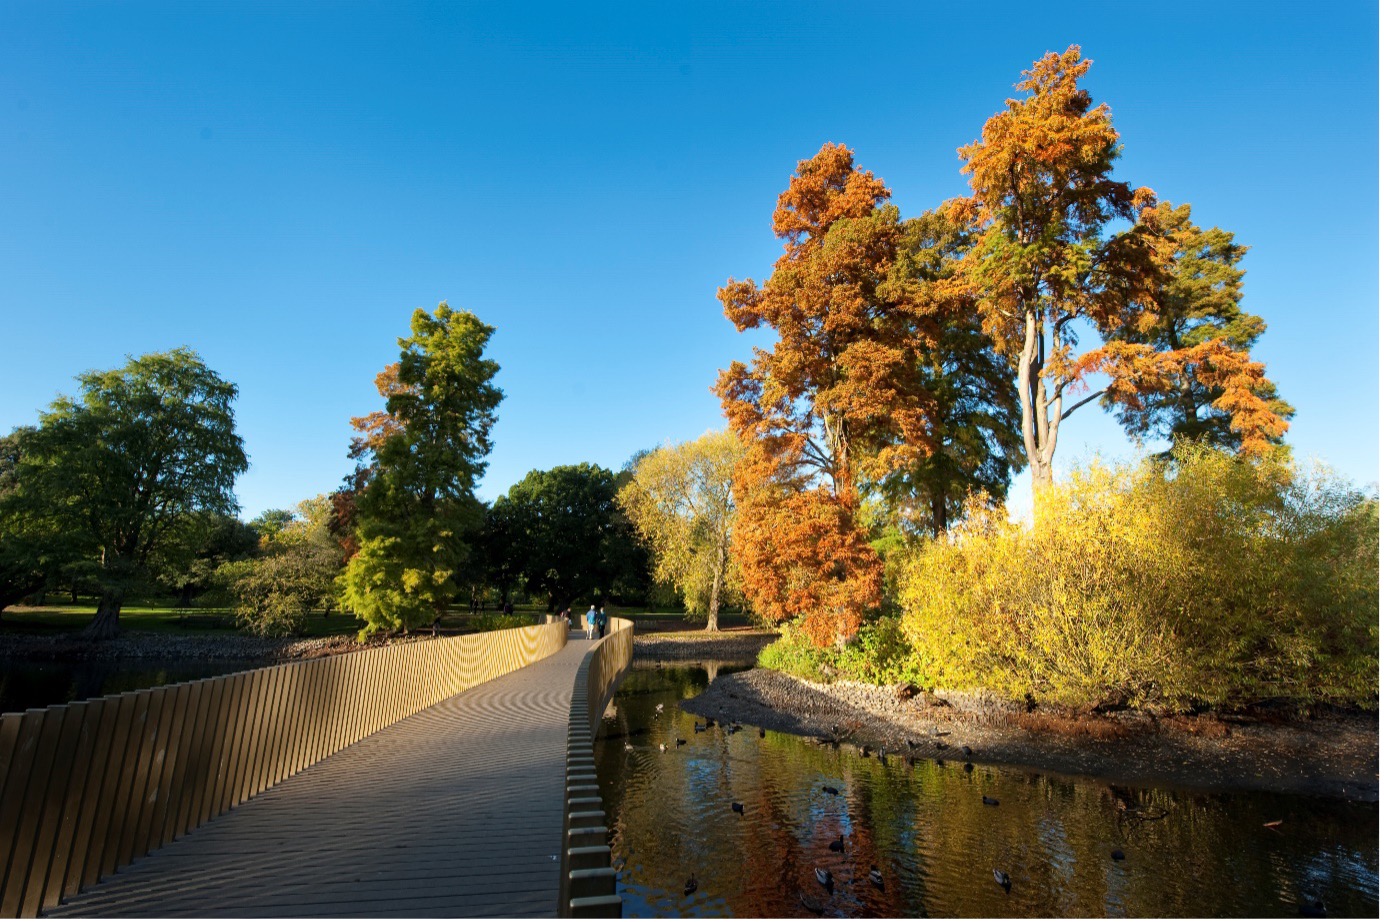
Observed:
{"x":1046,"y":262}
{"x":836,"y":402}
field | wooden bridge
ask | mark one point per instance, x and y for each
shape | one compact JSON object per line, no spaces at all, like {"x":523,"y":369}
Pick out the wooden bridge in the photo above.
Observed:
{"x":480,"y":803}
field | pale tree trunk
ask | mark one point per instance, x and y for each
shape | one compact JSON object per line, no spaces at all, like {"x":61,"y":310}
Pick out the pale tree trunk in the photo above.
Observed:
{"x":1038,"y":436}
{"x":715,"y":605}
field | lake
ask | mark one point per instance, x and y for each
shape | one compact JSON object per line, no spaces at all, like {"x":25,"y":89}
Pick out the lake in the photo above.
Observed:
{"x":936,"y":843}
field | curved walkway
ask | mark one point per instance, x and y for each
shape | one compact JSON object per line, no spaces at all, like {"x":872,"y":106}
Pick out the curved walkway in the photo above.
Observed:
{"x":455,"y":811}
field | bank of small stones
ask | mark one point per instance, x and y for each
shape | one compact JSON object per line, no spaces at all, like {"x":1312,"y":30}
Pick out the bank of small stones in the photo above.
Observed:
{"x":141,"y":645}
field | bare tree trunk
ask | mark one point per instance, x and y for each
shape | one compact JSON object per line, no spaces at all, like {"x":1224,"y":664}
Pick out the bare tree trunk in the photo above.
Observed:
{"x":106,"y":624}
{"x":939,"y":515}
{"x":715,"y":605}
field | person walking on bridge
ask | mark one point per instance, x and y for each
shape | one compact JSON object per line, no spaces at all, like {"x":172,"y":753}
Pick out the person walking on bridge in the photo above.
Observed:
{"x":601,"y":622}
{"x":590,"y":621}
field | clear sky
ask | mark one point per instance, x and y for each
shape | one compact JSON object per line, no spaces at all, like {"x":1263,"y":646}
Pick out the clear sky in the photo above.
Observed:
{"x":278,"y":185}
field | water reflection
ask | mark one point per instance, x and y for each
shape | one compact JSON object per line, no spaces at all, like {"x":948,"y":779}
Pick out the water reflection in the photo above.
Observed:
{"x":35,"y":684}
{"x":934,"y":840}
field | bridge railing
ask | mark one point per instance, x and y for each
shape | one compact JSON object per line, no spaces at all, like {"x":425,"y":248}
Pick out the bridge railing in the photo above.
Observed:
{"x":587,"y":887}
{"x":87,"y":787}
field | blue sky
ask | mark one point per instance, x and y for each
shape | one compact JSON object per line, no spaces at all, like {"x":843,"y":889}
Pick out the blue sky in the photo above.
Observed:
{"x":279,"y":185}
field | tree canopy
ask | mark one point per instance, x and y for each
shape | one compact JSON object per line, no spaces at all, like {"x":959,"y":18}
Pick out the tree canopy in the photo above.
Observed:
{"x":128,"y":469}
{"x":679,"y":500}
{"x":416,"y":512}
{"x":569,"y":537}
{"x":1060,"y":243}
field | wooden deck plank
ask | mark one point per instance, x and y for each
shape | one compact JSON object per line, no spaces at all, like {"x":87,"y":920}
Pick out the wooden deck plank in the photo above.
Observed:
{"x":455,"y":811}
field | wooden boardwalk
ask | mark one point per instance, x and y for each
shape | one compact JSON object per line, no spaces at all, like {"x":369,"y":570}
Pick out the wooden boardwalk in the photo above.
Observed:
{"x":455,"y":811}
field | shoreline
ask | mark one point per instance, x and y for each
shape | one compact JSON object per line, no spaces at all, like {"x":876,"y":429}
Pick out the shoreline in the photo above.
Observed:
{"x":1336,"y":756}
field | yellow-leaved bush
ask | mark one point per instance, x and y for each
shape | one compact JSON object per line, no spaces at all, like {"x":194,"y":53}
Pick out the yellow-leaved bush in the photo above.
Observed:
{"x":1210,"y":580}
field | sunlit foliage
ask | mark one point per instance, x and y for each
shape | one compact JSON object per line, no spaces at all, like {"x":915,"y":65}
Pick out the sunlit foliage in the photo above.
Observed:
{"x":1217,"y":580}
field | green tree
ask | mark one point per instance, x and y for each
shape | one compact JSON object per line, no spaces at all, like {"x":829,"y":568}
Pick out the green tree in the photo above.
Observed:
{"x":973,"y":408}
{"x":294,"y":574}
{"x":26,"y":547}
{"x":1200,"y":303}
{"x":271,"y":521}
{"x":119,"y":471}
{"x":679,"y":500}
{"x":423,"y":456}
{"x":189,"y":568}
{"x":571,"y":537}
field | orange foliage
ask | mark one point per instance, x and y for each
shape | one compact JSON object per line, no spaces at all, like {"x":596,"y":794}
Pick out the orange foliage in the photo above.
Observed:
{"x":378,"y":427}
{"x":1041,"y":204}
{"x":838,"y":396}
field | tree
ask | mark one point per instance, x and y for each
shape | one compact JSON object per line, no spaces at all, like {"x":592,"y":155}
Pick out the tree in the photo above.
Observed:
{"x":121,"y":470}
{"x":974,"y":410}
{"x":294,"y":574}
{"x":570,"y":536}
{"x":1199,"y":302}
{"x":213,"y":540}
{"x":423,"y":456}
{"x":679,"y":500}
{"x":838,"y":400}
{"x":1045,"y":260}
{"x":26,"y":547}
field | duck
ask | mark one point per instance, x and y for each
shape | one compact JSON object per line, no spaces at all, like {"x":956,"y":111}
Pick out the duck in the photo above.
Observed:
{"x":1117,"y":855}
{"x":864,"y":752}
{"x":662,"y":747}
{"x":940,"y":763}
{"x":761,"y":733}
{"x":839,"y":845}
{"x":989,"y":801}
{"x":1002,"y":879}
{"x":629,"y":747}
{"x":876,"y":877}
{"x":690,"y":887}
{"x":737,"y":807}
{"x":969,"y":767}
{"x":883,"y":757}
{"x":966,"y":751}
{"x":658,"y":709}
{"x":909,"y":761}
{"x":823,"y":878}
{"x":698,"y":728}
{"x":1312,"y":906}
{"x":677,"y":742}
{"x":940,"y":745}
{"x":826,"y":788}
{"x":911,"y":744}
{"x":810,"y":904}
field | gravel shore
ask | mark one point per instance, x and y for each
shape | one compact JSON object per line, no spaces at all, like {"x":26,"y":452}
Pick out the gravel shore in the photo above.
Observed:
{"x":1334,"y":756}
{"x":148,"y":645}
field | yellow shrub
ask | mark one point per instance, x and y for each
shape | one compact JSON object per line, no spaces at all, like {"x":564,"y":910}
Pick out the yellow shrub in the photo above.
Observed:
{"x":1213,"y":580}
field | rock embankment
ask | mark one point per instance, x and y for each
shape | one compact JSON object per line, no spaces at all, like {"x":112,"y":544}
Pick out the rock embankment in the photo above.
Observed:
{"x":694,"y":646}
{"x":1335,"y":756}
{"x":148,"y":645}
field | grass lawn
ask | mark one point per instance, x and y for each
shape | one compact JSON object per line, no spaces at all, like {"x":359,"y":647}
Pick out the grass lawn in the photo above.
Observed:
{"x":165,"y":617}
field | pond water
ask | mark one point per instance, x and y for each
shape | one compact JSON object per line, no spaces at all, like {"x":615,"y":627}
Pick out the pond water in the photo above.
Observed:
{"x":36,"y":684}
{"x":935,"y":842}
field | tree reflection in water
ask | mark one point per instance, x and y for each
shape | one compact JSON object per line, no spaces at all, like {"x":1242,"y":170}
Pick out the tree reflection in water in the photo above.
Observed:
{"x":936,"y":844}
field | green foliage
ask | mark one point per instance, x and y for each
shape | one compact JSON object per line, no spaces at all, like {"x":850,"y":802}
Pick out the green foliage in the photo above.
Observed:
{"x":880,"y":654}
{"x":294,"y":575}
{"x":122,"y":473}
{"x":500,"y":622}
{"x":417,"y":514}
{"x":391,"y":587}
{"x":1213,"y":580}
{"x":567,"y":538}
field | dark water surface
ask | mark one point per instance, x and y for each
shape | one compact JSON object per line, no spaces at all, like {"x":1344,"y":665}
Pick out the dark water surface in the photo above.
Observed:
{"x":36,"y":684}
{"x":936,"y":843}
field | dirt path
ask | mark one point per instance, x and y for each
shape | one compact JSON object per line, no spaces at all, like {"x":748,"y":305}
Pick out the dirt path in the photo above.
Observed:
{"x":1332,"y":757}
